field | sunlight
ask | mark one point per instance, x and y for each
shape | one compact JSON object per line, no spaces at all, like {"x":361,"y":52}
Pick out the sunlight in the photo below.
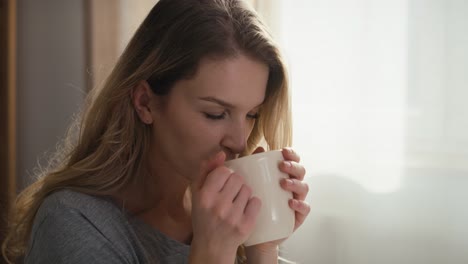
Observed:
{"x":348,"y":63}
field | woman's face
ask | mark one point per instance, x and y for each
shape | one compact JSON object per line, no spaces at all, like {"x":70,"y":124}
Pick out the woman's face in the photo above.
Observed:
{"x":212,"y":111}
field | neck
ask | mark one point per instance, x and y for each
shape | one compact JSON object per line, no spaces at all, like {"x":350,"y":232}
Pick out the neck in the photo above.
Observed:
{"x":164,"y":202}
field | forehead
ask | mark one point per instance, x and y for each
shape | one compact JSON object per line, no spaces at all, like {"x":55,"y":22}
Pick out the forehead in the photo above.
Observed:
{"x":239,"y":80}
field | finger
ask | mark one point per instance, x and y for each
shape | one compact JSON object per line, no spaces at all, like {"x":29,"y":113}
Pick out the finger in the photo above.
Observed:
{"x":232,"y":187}
{"x":258,"y":150}
{"x":290,"y":154}
{"x":299,"y":189}
{"x":302,"y":210}
{"x":216,"y":179}
{"x":251,"y":211}
{"x":294,"y":169}
{"x":206,"y":167}
{"x":242,"y":198}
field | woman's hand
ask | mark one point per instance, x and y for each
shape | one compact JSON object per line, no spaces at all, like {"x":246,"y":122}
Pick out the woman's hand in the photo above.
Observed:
{"x":298,"y":187}
{"x":223,"y":213}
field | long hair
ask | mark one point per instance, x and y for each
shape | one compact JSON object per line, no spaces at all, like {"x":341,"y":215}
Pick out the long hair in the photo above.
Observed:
{"x":107,"y":148}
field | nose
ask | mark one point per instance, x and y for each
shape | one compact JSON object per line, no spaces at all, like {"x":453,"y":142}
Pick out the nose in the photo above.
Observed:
{"x":235,"y":137}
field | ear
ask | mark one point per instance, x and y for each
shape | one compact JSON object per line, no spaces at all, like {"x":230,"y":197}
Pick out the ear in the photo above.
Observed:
{"x":141,"y":99}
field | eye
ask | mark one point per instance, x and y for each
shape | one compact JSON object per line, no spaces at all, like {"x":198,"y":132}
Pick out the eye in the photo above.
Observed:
{"x":253,"y":116}
{"x":215,"y":117}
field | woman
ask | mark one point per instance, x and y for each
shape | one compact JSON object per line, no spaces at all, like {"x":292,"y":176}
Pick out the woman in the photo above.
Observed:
{"x":142,"y":180}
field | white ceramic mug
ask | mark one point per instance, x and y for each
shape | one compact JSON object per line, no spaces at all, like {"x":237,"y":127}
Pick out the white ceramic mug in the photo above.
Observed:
{"x":262,"y":174}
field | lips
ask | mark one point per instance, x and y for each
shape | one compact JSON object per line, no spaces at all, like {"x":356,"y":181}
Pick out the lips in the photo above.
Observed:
{"x":230,"y":155}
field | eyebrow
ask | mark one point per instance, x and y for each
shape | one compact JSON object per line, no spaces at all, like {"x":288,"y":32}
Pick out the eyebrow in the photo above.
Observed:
{"x":217,"y":101}
{"x":221,"y":102}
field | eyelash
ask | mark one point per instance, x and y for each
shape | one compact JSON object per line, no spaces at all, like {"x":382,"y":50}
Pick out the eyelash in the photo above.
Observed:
{"x":216,"y":117}
{"x":223,"y":115}
{"x":254,"y":116}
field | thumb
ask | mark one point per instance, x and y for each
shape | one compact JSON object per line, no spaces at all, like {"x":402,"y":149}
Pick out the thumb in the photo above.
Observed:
{"x":206,"y":167}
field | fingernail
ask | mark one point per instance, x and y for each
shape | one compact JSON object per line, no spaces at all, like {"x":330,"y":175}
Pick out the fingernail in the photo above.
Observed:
{"x":289,"y":182}
{"x":287,"y":164}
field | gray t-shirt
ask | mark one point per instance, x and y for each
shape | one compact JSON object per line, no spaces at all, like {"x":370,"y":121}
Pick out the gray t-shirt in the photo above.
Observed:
{"x":72,"y":227}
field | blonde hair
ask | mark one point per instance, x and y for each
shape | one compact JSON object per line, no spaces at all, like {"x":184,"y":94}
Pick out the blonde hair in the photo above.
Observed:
{"x":107,"y":147}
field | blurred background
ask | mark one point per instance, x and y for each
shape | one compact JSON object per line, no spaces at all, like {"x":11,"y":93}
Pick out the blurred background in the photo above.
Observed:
{"x":379,"y":104}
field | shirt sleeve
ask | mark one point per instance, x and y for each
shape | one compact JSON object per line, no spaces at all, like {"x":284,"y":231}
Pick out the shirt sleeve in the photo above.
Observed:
{"x":67,"y":236}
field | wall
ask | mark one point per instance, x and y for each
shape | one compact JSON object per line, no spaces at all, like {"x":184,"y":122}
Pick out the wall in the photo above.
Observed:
{"x":51,"y":76}
{"x":131,"y":15}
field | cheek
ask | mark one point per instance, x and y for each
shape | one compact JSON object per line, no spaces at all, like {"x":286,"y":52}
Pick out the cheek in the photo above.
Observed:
{"x":203,"y":138}
{"x":194,"y":141}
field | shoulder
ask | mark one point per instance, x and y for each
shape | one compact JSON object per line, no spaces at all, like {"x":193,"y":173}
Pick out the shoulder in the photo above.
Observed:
{"x":77,"y":201}
{"x":93,"y":208}
{"x":75,"y":226}
{"x":76,"y":210}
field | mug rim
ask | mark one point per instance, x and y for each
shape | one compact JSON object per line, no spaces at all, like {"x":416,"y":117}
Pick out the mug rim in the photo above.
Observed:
{"x":256,"y":155}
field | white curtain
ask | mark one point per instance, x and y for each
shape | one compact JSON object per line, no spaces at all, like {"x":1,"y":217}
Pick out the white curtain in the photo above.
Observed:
{"x":349,"y":77}
{"x":379,"y":90}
